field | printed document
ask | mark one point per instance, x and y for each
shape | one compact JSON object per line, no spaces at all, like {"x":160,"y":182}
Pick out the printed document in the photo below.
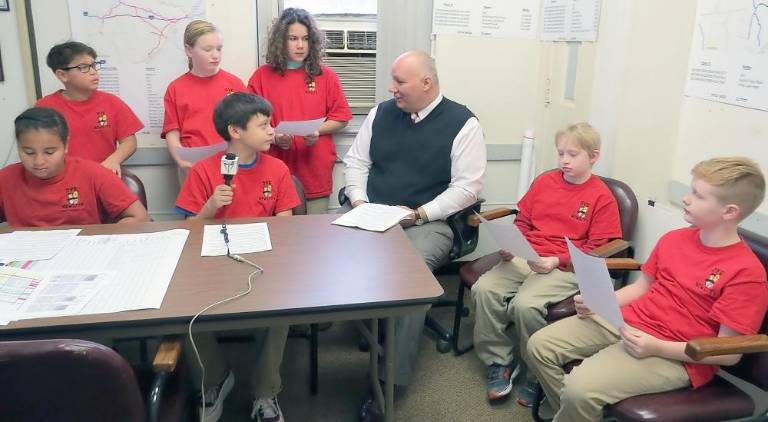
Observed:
{"x":372,"y":217}
{"x":243,"y":238}
{"x":300,"y":127}
{"x":34,"y":245}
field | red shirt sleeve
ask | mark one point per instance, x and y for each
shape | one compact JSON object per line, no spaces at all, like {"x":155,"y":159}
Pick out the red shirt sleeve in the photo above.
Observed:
{"x":112,"y":193}
{"x":254,"y":84}
{"x":287,"y":198}
{"x":742,"y":305}
{"x":195,"y":193}
{"x":336,"y":101}
{"x":171,"y":114}
{"x":127,"y":121}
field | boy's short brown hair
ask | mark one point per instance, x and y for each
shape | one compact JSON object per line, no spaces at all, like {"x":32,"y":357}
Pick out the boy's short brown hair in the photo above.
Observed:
{"x":738,"y":180}
{"x":584,"y":134}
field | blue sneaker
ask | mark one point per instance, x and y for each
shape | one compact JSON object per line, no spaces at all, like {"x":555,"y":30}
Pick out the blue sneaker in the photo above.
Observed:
{"x":526,"y":393}
{"x":499,"y":382}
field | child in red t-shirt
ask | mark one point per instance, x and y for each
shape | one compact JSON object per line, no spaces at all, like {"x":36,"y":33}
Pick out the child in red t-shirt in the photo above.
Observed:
{"x":571,"y":202}
{"x":49,"y":188}
{"x":701,"y":281}
{"x":102,"y":127}
{"x":300,"y":87}
{"x":261,"y":187}
{"x":190,"y":99}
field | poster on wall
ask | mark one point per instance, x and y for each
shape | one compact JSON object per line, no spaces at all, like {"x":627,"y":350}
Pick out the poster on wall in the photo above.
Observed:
{"x":488,"y":18}
{"x":141,"y":46}
{"x":570,"y":20}
{"x":728,"y":61}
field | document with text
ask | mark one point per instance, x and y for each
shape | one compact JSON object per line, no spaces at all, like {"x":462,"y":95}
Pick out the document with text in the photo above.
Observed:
{"x":243,"y":238}
{"x":300,"y":128}
{"x":34,"y":245}
{"x":372,"y":217}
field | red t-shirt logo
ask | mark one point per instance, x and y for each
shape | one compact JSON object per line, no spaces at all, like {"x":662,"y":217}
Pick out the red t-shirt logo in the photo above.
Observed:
{"x":714,"y":275}
{"x":581,"y":213}
{"x":101,"y":120}
{"x":266,"y":189}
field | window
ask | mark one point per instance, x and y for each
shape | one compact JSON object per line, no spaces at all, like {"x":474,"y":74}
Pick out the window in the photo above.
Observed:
{"x":350,"y":31}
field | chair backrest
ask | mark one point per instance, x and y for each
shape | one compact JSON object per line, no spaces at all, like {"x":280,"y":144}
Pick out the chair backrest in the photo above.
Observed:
{"x":627,"y":201}
{"x":300,"y":209}
{"x":66,"y":380}
{"x":753,"y":367}
{"x":135,"y":185}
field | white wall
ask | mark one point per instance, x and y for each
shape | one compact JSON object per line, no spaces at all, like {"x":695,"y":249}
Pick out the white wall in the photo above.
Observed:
{"x":13,"y":93}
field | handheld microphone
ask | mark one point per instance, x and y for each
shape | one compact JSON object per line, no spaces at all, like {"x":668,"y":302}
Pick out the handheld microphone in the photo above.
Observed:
{"x":228,"y":167}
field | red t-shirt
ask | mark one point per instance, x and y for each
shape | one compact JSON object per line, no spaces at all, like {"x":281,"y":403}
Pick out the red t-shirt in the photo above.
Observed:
{"x":697,"y":288}
{"x":84,"y":193}
{"x":189,"y":102}
{"x":96,"y":124}
{"x":293,"y":99}
{"x":262,"y":189}
{"x":553,"y":208}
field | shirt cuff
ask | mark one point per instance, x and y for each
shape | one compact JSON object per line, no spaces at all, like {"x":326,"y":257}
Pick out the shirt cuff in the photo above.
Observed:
{"x":355,"y":194}
{"x":432,"y":210}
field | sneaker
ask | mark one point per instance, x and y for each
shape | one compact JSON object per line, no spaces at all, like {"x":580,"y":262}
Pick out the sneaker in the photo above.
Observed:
{"x":266,"y":410}
{"x":499,"y":382}
{"x":214,"y":398}
{"x":526,"y":393}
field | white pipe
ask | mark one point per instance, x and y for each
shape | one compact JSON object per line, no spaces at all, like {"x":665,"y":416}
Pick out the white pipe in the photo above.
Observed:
{"x":527,"y":164}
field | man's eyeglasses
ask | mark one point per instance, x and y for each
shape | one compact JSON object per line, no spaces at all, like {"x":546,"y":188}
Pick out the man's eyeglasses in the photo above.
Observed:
{"x":85,"y":68}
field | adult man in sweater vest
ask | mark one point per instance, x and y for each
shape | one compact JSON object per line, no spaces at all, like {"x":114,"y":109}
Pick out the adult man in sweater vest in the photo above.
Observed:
{"x":423,"y":152}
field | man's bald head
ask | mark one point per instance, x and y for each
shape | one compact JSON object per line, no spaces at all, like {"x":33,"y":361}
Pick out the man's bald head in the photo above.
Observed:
{"x":414,"y":81}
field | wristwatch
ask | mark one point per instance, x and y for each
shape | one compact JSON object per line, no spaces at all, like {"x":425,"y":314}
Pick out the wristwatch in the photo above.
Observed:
{"x":419,"y":220}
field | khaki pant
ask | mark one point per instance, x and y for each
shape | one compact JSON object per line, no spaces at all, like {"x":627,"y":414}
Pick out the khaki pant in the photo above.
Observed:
{"x":607,"y":375}
{"x":266,"y":380}
{"x":318,"y":205}
{"x":512,"y":293}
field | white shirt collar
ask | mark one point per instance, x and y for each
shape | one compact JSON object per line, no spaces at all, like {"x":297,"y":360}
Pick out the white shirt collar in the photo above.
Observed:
{"x":423,"y":113}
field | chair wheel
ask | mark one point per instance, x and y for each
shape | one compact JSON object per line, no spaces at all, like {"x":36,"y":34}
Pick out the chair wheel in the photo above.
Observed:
{"x":443,"y":346}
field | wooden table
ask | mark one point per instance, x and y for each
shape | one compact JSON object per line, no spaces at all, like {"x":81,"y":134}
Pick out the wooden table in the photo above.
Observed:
{"x":316,"y":272}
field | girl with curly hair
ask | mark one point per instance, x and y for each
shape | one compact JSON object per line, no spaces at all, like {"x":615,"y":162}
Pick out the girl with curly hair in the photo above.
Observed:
{"x":301,"y":87}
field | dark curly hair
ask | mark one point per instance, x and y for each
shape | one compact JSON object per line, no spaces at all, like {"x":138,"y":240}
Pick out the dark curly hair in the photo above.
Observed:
{"x":277,"y":54}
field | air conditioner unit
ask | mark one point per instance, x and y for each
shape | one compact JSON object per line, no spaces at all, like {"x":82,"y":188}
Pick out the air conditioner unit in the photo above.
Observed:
{"x":352,"y":55}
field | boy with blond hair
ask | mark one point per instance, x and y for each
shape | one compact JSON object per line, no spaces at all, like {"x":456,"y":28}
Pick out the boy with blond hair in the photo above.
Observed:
{"x":700,"y":281}
{"x":569,"y":201}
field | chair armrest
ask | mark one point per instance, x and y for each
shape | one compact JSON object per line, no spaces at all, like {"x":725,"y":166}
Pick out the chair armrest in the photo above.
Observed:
{"x":701,"y":348}
{"x":168,"y":353}
{"x":493,"y":214}
{"x":610,"y":249}
{"x":622,"y":264}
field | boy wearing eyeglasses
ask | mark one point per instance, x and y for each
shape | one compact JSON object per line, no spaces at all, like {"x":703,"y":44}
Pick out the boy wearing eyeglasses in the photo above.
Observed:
{"x":102,"y":127}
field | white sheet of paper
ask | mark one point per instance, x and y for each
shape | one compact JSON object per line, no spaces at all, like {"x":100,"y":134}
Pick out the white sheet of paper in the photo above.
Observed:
{"x":373,"y":217}
{"x":63,"y":294}
{"x":16,"y":286}
{"x":300,"y":127}
{"x":509,"y":238}
{"x":143,"y":264}
{"x":34,"y":245}
{"x":243,"y":238}
{"x":595,"y":285}
{"x":196,"y":154}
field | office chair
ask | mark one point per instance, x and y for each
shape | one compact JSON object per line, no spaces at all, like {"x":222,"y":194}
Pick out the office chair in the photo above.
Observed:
{"x":77,"y":380}
{"x":471,"y":272}
{"x":719,"y":400}
{"x":135,"y":185}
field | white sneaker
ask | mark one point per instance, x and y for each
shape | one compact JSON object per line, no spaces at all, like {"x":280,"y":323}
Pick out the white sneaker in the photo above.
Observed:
{"x":266,"y":410}
{"x":214,"y":398}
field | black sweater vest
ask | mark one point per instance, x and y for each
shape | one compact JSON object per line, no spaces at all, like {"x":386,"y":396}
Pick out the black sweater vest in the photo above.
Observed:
{"x":411,"y":162}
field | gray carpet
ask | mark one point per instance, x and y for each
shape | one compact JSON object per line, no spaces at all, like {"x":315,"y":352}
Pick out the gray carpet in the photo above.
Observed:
{"x":446,"y":387}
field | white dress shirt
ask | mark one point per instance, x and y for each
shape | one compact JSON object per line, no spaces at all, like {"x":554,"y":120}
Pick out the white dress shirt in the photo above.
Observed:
{"x":468,"y":160}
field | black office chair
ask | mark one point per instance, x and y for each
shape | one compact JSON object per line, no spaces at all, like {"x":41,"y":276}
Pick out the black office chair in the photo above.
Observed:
{"x":135,"y":185}
{"x":77,"y":380}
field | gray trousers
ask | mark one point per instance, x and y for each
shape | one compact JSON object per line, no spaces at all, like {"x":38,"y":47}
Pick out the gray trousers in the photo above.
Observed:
{"x":433,"y":241}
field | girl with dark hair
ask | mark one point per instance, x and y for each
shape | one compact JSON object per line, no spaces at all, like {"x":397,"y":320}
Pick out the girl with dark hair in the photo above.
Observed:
{"x":300,"y":87}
